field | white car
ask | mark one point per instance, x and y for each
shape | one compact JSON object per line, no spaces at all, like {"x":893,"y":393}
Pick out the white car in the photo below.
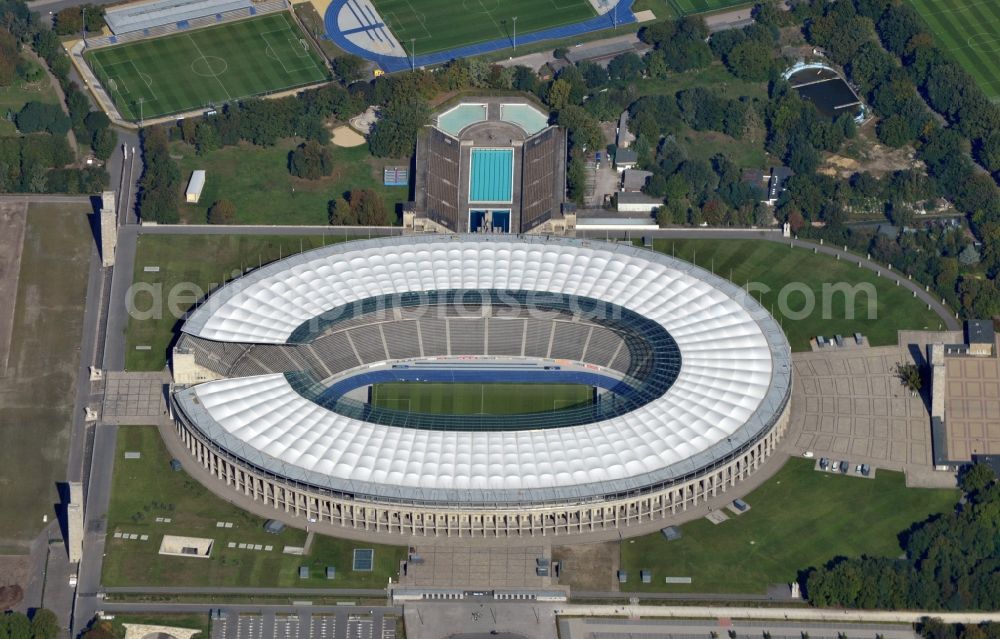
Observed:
{"x":808,"y":454}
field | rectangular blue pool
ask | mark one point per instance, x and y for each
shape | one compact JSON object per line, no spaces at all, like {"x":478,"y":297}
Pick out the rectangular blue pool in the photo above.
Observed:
{"x":491,"y":175}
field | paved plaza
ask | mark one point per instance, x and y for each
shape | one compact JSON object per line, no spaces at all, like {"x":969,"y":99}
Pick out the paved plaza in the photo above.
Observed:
{"x":481,"y":566}
{"x":134,"y":398}
{"x":972,"y":406}
{"x":849,"y":404}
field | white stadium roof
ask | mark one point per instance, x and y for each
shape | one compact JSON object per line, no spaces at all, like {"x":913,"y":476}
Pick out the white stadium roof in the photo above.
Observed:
{"x":733,"y":382}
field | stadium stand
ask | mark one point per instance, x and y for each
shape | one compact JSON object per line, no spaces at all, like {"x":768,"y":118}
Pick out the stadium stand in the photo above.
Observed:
{"x":569,"y":340}
{"x":467,"y":336}
{"x":336,"y":352}
{"x":368,"y":342}
{"x":542,"y":177}
{"x":441,"y":167}
{"x":244,"y":10}
{"x":506,"y":336}
{"x":147,"y":15}
{"x":433,"y":337}
{"x":420,"y":332}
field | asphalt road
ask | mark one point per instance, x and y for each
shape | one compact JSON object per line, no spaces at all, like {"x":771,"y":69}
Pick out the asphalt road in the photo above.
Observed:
{"x":264,"y":592}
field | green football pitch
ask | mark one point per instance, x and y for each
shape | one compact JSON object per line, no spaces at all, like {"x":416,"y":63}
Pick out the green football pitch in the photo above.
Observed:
{"x":689,"y":7}
{"x":479,"y":399}
{"x":970,"y":31}
{"x":206,"y":67}
{"x":428,"y":26}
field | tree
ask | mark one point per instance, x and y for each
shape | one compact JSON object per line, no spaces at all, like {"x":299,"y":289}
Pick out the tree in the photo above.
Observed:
{"x":975,"y":477}
{"x":349,"y":68}
{"x":104,"y":144}
{"x":368,"y":209}
{"x":222,"y":212}
{"x":38,"y":116}
{"x":583,"y":128}
{"x":909,"y":375}
{"x":44,"y":624}
{"x":751,"y":60}
{"x":340,"y":214}
{"x":626,"y":67}
{"x":558,"y":94}
{"x":969,"y":256}
{"x":310,"y":160}
{"x":395,"y":133}
{"x":9,"y":57}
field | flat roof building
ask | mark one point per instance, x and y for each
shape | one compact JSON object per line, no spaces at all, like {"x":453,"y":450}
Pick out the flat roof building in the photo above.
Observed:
{"x":195,"y":186}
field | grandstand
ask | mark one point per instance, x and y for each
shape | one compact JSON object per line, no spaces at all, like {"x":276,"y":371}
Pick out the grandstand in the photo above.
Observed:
{"x":693,"y":380}
{"x":490,"y":165}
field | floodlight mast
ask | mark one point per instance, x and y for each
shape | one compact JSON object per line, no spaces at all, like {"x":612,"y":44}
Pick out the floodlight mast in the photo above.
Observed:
{"x":515,"y":33}
{"x":413,"y":54}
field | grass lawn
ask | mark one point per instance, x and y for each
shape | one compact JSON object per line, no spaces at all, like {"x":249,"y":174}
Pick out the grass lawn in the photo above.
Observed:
{"x":799,"y":519}
{"x":194,"y":512}
{"x":257,"y":181}
{"x":36,"y":390}
{"x":687,"y":7}
{"x":19,"y":93}
{"x":715,"y":77}
{"x":970,"y":31}
{"x":204,"y":67}
{"x":479,"y":399}
{"x":199,"y":263}
{"x":436,"y":25}
{"x":775,"y":265}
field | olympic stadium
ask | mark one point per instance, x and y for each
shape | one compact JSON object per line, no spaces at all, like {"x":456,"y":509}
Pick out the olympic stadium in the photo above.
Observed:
{"x":691,"y":380}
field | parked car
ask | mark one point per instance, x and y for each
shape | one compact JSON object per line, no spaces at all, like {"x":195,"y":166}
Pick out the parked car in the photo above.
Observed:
{"x":845,"y":466}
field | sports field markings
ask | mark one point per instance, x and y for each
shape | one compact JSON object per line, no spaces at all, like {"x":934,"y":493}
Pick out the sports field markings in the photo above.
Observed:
{"x":146,"y":95}
{"x":202,"y":54}
{"x":964,"y":7}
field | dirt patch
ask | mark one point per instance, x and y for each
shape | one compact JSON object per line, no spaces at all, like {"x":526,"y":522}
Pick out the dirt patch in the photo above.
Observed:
{"x":346,"y":136}
{"x":14,"y":573}
{"x":866,"y":154}
{"x":588,"y":567}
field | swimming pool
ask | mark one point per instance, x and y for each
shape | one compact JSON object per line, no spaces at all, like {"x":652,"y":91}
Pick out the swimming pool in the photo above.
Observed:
{"x":525,"y":116}
{"x":491,"y":177}
{"x":457,"y":118}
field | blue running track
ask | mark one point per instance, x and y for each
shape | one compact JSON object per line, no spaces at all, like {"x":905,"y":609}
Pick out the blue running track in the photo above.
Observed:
{"x":391,"y":64}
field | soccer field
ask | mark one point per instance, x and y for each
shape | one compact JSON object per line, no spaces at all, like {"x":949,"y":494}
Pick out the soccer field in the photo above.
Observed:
{"x":970,"y":31}
{"x":429,"y":26}
{"x":688,"y":7}
{"x":206,"y":67}
{"x":479,"y":399}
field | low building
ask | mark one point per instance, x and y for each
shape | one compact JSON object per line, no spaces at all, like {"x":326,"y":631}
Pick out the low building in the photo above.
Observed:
{"x":195,"y":186}
{"x":623,"y":136}
{"x":773,"y":183}
{"x":980,"y":336}
{"x":637,"y":203}
{"x":625,"y":159}
{"x":633,"y":180}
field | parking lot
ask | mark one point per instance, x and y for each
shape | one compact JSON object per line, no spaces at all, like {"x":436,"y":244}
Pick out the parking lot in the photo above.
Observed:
{"x":304,"y":625}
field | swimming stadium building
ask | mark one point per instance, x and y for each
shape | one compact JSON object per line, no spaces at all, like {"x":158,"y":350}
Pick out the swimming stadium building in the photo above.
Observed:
{"x":493,"y":165}
{"x":691,"y":381}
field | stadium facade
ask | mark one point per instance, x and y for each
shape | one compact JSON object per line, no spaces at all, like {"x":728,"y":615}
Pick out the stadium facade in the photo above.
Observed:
{"x":490,"y":165}
{"x":695,"y":380}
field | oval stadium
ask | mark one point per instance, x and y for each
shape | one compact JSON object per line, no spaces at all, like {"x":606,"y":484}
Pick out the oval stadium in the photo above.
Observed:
{"x":478,"y":385}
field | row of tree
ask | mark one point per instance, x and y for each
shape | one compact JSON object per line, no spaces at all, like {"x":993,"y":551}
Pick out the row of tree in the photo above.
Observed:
{"x":43,"y":624}
{"x":951,"y":562}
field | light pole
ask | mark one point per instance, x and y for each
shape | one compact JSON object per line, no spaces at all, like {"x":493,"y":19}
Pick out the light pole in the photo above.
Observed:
{"x":140,"y":112}
{"x":84,"y":27}
{"x":515,"y":33}
{"x":413,"y":54}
